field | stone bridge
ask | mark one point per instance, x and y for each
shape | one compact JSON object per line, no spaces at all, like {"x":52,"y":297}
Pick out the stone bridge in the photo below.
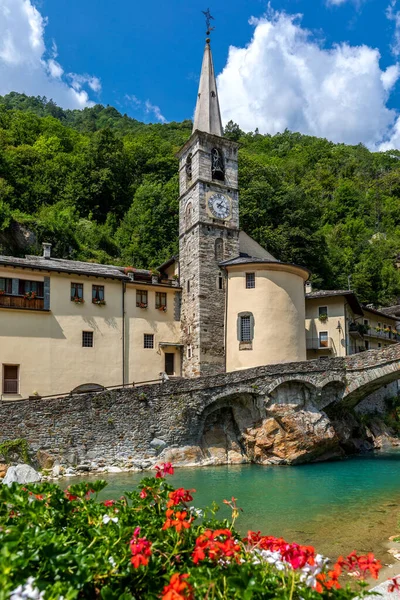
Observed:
{"x":275,"y":414}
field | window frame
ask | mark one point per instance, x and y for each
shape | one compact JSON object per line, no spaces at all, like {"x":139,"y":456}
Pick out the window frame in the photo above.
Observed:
{"x":159,"y":304}
{"x":149,"y":338}
{"x":90,"y":335}
{"x":140,"y":294}
{"x":250,"y":278}
{"x":322,"y":313}
{"x":320,"y":340}
{"x":78,"y":286}
{"x":26,"y":287}
{"x":97,"y":292}
{"x":16,"y":380}
{"x":7,"y":285}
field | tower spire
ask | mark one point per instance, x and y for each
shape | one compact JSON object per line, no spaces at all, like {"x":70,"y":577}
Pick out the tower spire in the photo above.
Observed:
{"x":207,"y":116}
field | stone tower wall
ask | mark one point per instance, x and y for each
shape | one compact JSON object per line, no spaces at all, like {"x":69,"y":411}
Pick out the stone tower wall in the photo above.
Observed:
{"x":203,"y":303}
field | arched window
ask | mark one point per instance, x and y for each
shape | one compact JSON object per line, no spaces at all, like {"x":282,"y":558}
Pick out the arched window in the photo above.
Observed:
{"x":188,"y":166}
{"x":188,"y":215}
{"x":219,"y":249}
{"x":217,"y":165}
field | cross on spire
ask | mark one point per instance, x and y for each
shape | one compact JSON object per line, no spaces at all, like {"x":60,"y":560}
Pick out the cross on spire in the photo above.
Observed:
{"x":209,"y":18}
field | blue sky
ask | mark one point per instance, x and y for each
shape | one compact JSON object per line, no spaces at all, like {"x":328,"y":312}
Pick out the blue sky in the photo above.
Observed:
{"x":144,"y":58}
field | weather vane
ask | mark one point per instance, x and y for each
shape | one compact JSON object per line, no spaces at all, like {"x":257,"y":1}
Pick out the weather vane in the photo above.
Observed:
{"x":209,"y":18}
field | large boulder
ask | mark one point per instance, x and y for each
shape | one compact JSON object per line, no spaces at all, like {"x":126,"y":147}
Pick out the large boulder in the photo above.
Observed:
{"x":21,"y":474}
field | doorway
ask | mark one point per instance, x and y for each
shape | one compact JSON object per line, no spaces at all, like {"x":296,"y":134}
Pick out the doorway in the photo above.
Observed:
{"x":169,"y":363}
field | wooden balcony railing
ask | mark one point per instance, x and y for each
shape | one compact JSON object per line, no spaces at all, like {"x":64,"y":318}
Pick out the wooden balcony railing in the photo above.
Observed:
{"x":10,"y":301}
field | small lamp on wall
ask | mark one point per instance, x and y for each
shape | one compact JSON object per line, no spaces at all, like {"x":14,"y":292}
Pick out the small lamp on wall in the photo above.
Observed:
{"x":339,"y":326}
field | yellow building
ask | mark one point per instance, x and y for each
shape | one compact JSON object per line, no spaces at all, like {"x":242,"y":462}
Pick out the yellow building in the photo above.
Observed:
{"x":338,"y":325}
{"x":65,"y":324}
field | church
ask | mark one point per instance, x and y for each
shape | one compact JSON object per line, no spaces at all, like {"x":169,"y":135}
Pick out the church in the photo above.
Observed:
{"x":224,"y":304}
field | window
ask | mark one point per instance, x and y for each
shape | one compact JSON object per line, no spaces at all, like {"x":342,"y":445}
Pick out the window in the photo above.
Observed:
{"x":323,"y":339}
{"x":323,"y":313}
{"x":87,"y":339}
{"x":188,"y":166}
{"x":5,"y":285}
{"x":169,"y":363}
{"x":141,"y":298}
{"x":189,"y":351}
{"x":220,"y":282}
{"x":148,"y":341}
{"x":76,"y":291}
{"x":219,"y":249}
{"x":379,"y":345}
{"x":30,"y":288}
{"x":217,"y":165}
{"x":98,"y":294}
{"x":161,"y":300}
{"x":188,"y":215}
{"x":245,"y":329}
{"x":366,"y":345}
{"x":366,"y":322}
{"x":250,"y":280}
{"x":188,"y":285}
{"x":10,"y":379}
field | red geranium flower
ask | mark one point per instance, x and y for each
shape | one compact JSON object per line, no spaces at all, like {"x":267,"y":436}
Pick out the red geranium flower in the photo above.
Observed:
{"x":140,"y":549}
{"x":165,"y":469}
{"x":215,"y":545}
{"x":108,"y":502}
{"x":178,"y":496}
{"x":178,"y":588}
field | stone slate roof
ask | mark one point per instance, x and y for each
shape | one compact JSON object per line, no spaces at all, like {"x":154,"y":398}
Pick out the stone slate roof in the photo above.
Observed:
{"x":61,"y":265}
{"x":383,"y":312}
{"x":393,"y":311}
{"x":350,"y":296}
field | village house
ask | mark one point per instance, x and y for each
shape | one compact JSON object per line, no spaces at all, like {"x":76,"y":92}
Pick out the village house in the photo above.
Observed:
{"x":224,"y":304}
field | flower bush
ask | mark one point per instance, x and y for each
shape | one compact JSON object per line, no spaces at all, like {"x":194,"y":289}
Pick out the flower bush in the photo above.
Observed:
{"x":153,"y":544}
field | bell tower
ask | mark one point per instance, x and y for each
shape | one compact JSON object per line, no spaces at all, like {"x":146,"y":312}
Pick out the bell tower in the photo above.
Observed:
{"x":208,"y":229}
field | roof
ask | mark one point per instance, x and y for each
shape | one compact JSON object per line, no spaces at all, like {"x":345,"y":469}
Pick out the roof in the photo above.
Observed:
{"x":350,"y":297}
{"x":207,"y":116}
{"x":394,"y":311}
{"x":62,"y":265}
{"x":250,"y":260}
{"x":382,"y":313}
{"x":249,"y":247}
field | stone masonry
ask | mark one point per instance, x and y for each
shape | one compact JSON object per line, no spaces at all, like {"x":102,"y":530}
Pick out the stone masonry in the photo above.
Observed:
{"x":274,"y":414}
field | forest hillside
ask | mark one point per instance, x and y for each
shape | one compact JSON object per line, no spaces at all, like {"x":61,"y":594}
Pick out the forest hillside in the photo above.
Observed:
{"x":101,"y":186}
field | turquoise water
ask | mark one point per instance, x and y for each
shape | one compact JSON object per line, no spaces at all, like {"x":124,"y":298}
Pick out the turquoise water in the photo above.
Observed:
{"x":336,"y":506}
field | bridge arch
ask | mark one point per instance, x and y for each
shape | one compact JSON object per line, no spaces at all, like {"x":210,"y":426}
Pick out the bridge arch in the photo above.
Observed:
{"x":363,"y":382}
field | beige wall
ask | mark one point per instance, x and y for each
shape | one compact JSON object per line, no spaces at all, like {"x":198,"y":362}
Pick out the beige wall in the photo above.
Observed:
{"x":278,"y":306}
{"x":47,"y":346}
{"x":377,"y":339}
{"x":336,"y":316}
{"x":146,"y":364}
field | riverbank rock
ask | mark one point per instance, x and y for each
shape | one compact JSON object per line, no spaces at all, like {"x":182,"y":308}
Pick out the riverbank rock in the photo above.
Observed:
{"x":45,"y":460}
{"x":21,"y":474}
{"x":3,"y":470}
{"x":284,"y":437}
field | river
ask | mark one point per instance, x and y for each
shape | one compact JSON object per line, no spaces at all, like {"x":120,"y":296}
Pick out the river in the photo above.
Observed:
{"x":335,"y":506}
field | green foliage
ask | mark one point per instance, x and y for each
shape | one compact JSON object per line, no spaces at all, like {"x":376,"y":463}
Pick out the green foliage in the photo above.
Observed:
{"x":15,"y":448}
{"x":69,"y":545}
{"x":103,"y":187}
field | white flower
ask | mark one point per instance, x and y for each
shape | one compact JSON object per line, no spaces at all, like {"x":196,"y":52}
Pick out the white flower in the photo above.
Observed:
{"x":272,"y":558}
{"x":196,"y":512}
{"x":22,"y":592}
{"x":112,"y":561}
{"x":107,"y":519}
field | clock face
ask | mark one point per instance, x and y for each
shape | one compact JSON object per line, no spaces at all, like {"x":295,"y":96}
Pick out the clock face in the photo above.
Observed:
{"x":219,"y":205}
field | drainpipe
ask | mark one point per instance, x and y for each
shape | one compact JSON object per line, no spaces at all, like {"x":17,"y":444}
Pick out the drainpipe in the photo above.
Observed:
{"x":226,"y":316}
{"x":123,"y":332}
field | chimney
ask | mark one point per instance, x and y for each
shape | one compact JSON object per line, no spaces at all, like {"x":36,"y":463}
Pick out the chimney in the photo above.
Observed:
{"x":46,"y":250}
{"x":308,"y":287}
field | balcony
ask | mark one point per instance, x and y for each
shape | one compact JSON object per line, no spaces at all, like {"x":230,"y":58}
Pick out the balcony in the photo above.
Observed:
{"x":317,"y":344}
{"x":383,"y":335}
{"x":357,"y":330}
{"x":10,"y":301}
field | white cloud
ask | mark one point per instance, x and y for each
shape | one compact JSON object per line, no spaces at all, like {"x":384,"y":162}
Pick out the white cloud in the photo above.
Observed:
{"x":152,"y":108}
{"x":394,"y":15}
{"x":26,"y":65}
{"x":284,"y":79}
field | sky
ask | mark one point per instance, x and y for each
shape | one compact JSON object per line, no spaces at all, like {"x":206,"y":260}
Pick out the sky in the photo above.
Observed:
{"x":328,"y":68}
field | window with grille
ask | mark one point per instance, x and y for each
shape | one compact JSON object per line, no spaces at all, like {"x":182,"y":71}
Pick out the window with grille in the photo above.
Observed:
{"x":148,"y":340}
{"x":10,"y":379}
{"x":87,"y":339}
{"x":250,"y":280}
{"x":5,"y":285}
{"x":245,"y":329}
{"x":31,"y":288}
{"x":98,"y":294}
{"x":76,"y":291}
{"x":322,"y":311}
{"x":141,"y":298}
{"x":161,"y":300}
